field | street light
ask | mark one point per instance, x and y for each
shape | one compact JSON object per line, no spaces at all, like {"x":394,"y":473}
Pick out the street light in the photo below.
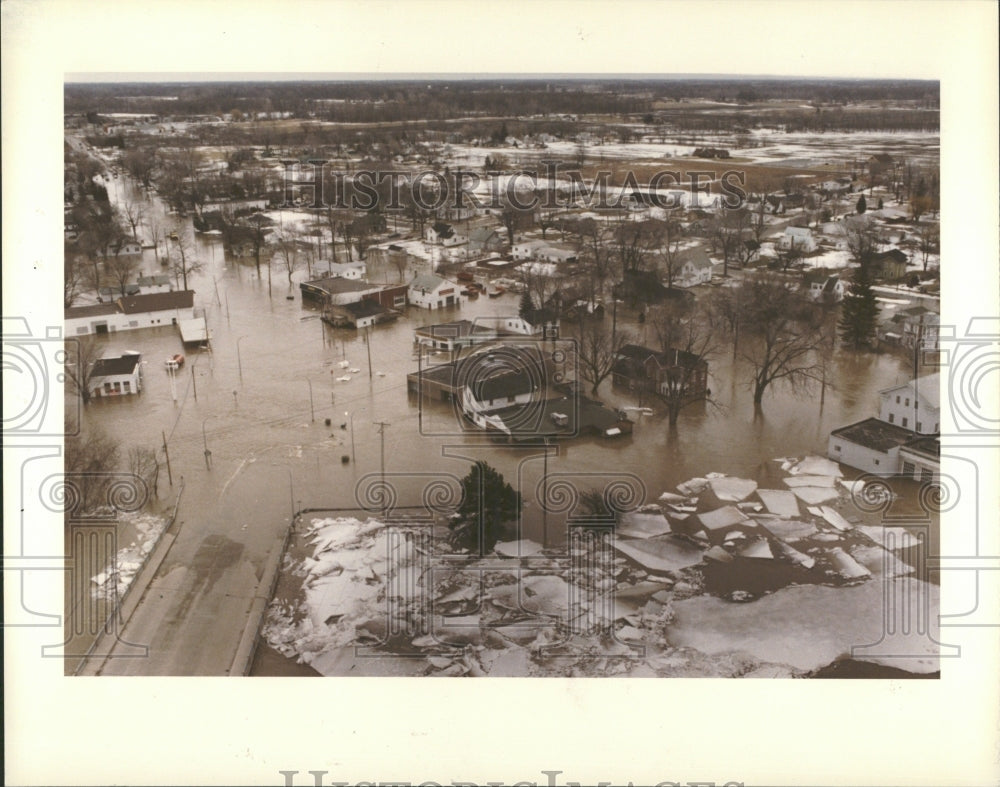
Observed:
{"x":204,"y":438}
{"x":350,"y":415}
{"x":239,"y":360}
{"x":312,"y":412}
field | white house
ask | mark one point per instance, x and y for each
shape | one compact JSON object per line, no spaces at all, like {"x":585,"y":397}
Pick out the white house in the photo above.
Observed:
{"x":429,"y":291}
{"x":119,"y":376}
{"x":823,"y":287}
{"x":127,"y":248}
{"x":543,"y":323}
{"x":914,"y":405}
{"x":443,"y":234}
{"x":481,"y":399}
{"x":355,"y":271}
{"x":695,"y":268}
{"x":543,"y":251}
{"x":871,"y":445}
{"x":134,"y":311}
{"x":149,"y":285}
{"x":920,"y":459}
{"x":800,"y":238}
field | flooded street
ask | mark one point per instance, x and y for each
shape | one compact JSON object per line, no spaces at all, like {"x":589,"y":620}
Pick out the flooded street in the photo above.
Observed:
{"x":246,"y":428}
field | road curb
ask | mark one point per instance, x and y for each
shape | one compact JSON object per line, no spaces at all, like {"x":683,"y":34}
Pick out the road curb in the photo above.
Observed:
{"x":245,"y":651}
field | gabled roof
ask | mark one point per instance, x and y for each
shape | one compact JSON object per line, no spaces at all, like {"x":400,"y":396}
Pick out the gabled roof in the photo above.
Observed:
{"x":697,"y":256}
{"x":890,"y":254}
{"x":443,"y":229}
{"x":428,"y":282}
{"x":500,"y":386}
{"x":157,"y":301}
{"x":154,"y":281}
{"x":482,"y":234}
{"x":798,"y":232}
{"x":96,"y":310}
{"x":541,"y":316}
{"x":928,"y":386}
{"x":124,"y":364}
{"x":365,"y":308}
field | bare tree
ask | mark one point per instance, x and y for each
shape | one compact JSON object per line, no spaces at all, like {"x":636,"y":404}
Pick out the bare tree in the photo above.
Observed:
{"x":183,"y":258}
{"x":598,"y":350}
{"x":287,"y":253}
{"x":121,"y":269}
{"x":143,"y":462}
{"x":687,"y":339}
{"x":862,"y":242}
{"x":786,"y":335}
{"x":929,"y":237}
{"x":132,"y":213}
{"x":91,"y":461}
{"x":74,"y":275}
{"x":81,"y":355}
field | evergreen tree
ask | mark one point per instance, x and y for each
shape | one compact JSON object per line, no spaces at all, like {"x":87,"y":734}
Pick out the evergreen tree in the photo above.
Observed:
{"x":488,"y":504}
{"x":527,"y":305}
{"x":859,"y":314}
{"x":862,"y":204}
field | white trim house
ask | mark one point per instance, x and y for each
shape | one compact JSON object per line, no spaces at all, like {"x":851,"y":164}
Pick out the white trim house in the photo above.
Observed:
{"x":429,"y":291}
{"x":119,"y":376}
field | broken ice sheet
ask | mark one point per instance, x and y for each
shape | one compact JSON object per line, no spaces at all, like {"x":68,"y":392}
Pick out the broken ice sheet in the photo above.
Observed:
{"x":810,"y":480}
{"x":809,"y":626}
{"x":811,"y":495}
{"x":890,"y":537}
{"x":847,"y":566}
{"x":881,"y":562}
{"x":780,"y":502}
{"x":660,"y":555}
{"x":637,"y":525}
{"x":732,"y":489}
{"x":788,"y":529}
{"x":817,"y":465}
{"x":523,"y":548}
{"x":758,"y":548}
{"x":693,"y":486}
{"x":832,"y":517}
{"x":720,"y":518}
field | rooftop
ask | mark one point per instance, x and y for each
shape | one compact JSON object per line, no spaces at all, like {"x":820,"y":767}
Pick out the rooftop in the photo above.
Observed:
{"x":124,"y":364}
{"x":157,"y":301}
{"x":875,"y":434}
{"x":96,"y":310}
{"x":928,"y":386}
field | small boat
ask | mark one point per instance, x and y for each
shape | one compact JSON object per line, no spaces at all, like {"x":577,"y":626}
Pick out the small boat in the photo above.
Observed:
{"x":174,"y":361}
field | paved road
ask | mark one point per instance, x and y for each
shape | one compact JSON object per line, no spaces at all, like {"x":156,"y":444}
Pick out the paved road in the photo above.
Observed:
{"x":194,"y":613}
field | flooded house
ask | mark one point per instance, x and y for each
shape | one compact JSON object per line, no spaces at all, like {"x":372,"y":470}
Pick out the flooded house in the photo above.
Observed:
{"x":121,"y":376}
{"x":640,"y":368}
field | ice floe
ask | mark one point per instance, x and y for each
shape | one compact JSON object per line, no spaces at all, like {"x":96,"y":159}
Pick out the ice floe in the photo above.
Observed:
{"x":780,"y":502}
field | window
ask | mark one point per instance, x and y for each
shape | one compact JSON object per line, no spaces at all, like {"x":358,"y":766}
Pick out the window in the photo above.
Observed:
{"x":936,"y":428}
{"x":892,"y":418}
{"x":876,"y":461}
{"x":916,"y":404}
{"x":908,"y":468}
{"x":920,"y":426}
{"x":897,"y":400}
{"x":127,"y":387}
{"x":904,"y":422}
{"x":511,"y":398}
{"x":836,"y":448}
{"x":907,"y":401}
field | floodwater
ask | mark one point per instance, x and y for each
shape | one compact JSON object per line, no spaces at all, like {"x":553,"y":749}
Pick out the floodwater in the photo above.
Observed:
{"x":259,"y":401}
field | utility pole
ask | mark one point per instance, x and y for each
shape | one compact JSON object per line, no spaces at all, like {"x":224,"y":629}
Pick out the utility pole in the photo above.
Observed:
{"x":368,"y":344}
{"x":194,"y":383}
{"x":385,"y":494}
{"x":166,"y":453}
